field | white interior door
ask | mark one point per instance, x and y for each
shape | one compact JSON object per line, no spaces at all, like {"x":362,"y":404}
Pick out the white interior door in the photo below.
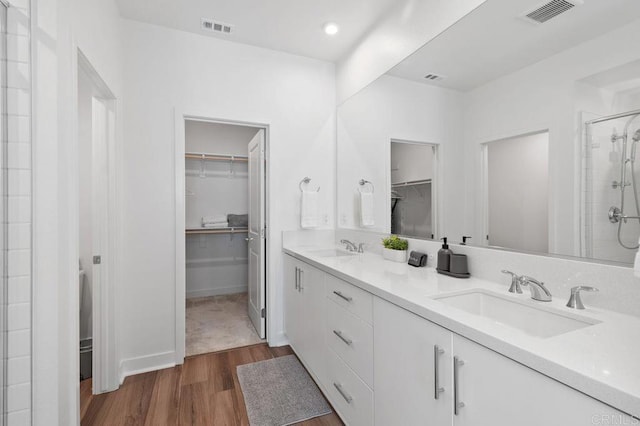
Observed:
{"x":256,"y":237}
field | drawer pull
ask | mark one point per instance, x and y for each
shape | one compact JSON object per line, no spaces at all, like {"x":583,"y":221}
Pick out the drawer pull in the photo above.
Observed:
{"x":342,"y":296}
{"x":345,"y":395}
{"x":457,"y":404}
{"x":300,"y":286}
{"x":436,"y":371}
{"x":297,"y":280}
{"x":344,"y":339}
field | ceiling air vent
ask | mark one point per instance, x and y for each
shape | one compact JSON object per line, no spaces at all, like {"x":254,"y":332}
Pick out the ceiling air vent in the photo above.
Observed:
{"x":215,"y":26}
{"x":550,"y":10}
{"x":433,"y":77}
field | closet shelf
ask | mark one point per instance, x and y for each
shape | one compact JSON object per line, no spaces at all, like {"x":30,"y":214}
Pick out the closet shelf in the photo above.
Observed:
{"x":215,"y":157}
{"x":410,"y":183}
{"x":196,"y":231}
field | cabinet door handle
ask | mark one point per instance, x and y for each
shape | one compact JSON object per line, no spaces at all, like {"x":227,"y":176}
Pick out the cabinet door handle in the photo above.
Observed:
{"x":457,"y":404}
{"x":344,"y":339}
{"x":297,"y":280}
{"x":437,"y":390}
{"x":300,"y":286}
{"x":342,"y":296}
{"x":345,"y":395}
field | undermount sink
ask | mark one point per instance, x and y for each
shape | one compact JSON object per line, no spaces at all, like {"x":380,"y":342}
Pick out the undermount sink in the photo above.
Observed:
{"x":331,"y":253}
{"x":539,"y":322}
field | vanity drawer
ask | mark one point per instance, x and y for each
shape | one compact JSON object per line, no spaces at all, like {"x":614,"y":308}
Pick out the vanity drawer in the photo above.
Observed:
{"x":350,"y":297}
{"x":352,"y":339}
{"x":349,"y":395}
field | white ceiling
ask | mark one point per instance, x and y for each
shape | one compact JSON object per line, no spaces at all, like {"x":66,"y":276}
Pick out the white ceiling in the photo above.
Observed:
{"x":293,"y":26}
{"x":493,"y":41}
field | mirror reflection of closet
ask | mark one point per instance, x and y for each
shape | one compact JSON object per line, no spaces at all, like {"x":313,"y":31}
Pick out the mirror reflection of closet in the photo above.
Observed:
{"x":413,"y":194}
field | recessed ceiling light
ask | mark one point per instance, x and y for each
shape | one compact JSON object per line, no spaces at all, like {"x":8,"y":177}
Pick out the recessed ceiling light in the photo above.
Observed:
{"x":331,"y":28}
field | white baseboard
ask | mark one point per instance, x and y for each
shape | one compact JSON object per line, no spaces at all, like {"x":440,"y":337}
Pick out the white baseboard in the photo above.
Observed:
{"x":144,"y":364}
{"x":242,"y":288}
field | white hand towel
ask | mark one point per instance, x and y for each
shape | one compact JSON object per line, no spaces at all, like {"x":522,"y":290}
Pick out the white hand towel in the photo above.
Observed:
{"x":216,"y":225}
{"x":366,"y":209}
{"x":309,"y":210}
{"x":216,"y":218}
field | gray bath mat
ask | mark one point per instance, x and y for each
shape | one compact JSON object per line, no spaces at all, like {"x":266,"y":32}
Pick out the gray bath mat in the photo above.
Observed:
{"x":280,"y":392}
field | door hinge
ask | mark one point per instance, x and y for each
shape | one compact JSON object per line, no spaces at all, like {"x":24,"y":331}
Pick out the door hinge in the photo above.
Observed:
{"x":262,"y":313}
{"x":97,"y":260}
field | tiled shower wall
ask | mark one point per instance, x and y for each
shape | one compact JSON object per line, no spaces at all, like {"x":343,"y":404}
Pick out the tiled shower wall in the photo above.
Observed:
{"x":18,"y":295}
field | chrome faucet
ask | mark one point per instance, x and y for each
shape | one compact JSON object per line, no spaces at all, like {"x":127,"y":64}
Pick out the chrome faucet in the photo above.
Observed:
{"x":515,"y":282}
{"x":575,"y":301}
{"x":361,"y":248}
{"x":349,"y":245}
{"x":538,"y":290}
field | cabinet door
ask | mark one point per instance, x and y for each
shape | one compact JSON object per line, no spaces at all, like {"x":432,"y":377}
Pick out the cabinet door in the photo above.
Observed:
{"x":311,"y":319}
{"x":498,"y":391}
{"x":406,"y":367}
{"x":291,"y":299}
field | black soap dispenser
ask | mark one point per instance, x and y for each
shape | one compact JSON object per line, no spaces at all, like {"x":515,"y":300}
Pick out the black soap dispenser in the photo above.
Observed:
{"x":444,"y":257}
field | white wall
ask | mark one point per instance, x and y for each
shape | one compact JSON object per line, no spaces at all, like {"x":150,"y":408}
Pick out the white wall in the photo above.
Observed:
{"x":518,"y":192}
{"x":59,"y":28}
{"x":393,"y":108}
{"x":411,"y":162}
{"x":402,"y":31}
{"x":171,"y":71}
{"x":217,"y":138}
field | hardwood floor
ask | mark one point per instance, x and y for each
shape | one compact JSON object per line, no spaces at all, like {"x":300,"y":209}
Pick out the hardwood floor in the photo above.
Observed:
{"x":203,"y":391}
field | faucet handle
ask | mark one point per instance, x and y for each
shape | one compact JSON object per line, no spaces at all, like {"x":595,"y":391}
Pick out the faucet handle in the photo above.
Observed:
{"x":515,"y":282}
{"x":575,"y":301}
{"x":361,"y":247}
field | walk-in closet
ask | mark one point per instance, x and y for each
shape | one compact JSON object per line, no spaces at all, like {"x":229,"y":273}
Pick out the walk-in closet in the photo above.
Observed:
{"x":217,"y":207}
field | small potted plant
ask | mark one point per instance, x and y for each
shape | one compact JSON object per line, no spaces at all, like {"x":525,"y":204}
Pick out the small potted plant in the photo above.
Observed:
{"x":395,"y":248}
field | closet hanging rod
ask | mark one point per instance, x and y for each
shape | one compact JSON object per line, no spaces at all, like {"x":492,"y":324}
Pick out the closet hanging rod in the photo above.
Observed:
{"x":196,"y":231}
{"x":410,"y":183}
{"x":215,"y":157}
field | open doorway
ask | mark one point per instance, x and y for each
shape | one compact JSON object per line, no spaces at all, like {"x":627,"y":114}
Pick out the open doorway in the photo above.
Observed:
{"x":96,"y":198}
{"x":224,"y":241}
{"x":516,"y":192}
{"x":413,"y":178}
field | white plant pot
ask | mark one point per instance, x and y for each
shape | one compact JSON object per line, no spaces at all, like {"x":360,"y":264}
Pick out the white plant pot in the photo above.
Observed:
{"x":394,"y":255}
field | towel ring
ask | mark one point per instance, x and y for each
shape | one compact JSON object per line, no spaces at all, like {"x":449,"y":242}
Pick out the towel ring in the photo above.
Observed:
{"x":363,"y":182}
{"x":306,"y":181}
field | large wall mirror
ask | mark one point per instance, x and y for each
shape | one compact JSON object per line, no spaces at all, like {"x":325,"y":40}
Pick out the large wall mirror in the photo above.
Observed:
{"x":517,"y":126}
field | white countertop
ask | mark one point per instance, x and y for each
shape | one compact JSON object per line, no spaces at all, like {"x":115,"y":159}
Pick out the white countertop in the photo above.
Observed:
{"x":602,"y":360}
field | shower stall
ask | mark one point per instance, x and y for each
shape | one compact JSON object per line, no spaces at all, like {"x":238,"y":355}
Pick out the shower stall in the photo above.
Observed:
{"x":612,"y":196}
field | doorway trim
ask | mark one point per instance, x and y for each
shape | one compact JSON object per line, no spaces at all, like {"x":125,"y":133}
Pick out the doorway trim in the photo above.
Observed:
{"x":105,"y":374}
{"x":181,"y":118}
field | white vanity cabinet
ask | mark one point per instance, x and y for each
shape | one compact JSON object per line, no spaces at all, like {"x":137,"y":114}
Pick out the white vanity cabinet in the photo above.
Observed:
{"x":411,"y":361}
{"x":304,"y":313}
{"x":410,"y":352}
{"x":498,"y":391}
